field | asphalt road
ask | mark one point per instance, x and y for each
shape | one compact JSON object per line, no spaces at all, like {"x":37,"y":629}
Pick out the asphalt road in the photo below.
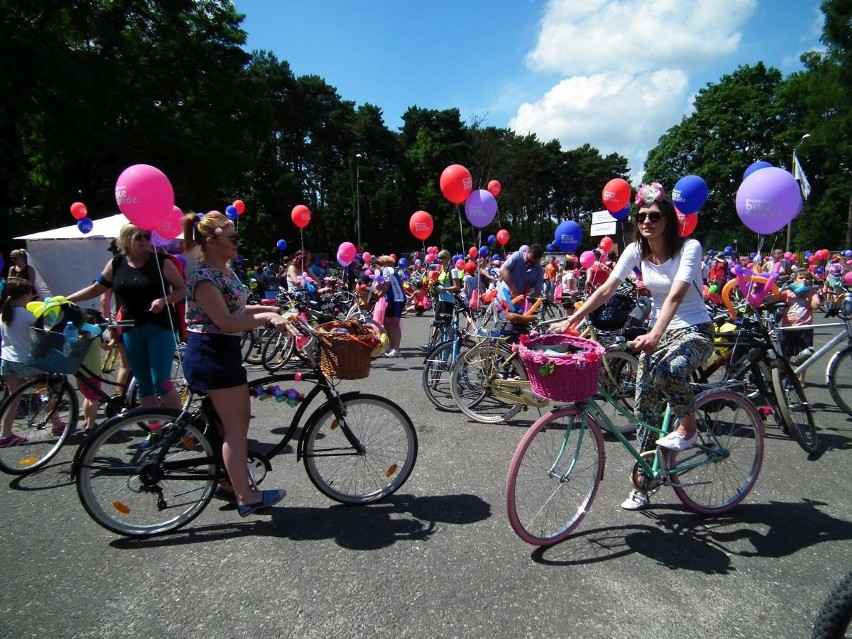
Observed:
{"x":439,"y":558}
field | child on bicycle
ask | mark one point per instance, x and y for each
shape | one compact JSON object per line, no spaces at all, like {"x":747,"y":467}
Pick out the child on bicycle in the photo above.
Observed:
{"x":801,"y":299}
{"x":15,"y":324}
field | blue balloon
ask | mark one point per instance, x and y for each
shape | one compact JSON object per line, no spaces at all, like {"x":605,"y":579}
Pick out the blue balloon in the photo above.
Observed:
{"x":729,"y":250}
{"x":85,"y":225}
{"x":623,"y":214}
{"x":281,"y":245}
{"x":231,"y":212}
{"x":483,"y":251}
{"x":568,"y":236}
{"x":403,"y":262}
{"x":549,"y":248}
{"x":492,"y":240}
{"x":689,"y":194}
{"x":711,"y":252}
{"x":761,"y":164}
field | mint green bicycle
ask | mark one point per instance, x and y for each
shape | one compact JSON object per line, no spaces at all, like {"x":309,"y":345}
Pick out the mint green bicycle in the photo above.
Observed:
{"x":558,"y":465}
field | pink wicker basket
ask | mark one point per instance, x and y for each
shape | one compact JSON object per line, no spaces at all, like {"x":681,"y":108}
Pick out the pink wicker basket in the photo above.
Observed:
{"x":568,"y":377}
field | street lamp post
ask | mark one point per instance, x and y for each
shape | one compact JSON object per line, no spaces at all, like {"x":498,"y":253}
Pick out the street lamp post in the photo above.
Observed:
{"x":790,"y":223}
{"x":358,"y":158}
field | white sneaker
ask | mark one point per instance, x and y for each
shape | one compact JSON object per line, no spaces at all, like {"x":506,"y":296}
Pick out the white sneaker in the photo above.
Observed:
{"x":392,"y":353}
{"x":636,"y":501}
{"x":677,"y":442}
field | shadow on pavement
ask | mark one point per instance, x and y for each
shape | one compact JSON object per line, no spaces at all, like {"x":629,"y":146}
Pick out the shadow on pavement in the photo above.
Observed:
{"x":399,"y":518}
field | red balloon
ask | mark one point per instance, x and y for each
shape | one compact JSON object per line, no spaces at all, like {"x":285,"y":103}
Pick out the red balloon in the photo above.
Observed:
{"x":473,"y":252}
{"x":606,"y":244}
{"x":494,"y":188}
{"x":460,"y":264}
{"x":301,"y":215}
{"x":502,"y":237}
{"x":79,"y":211}
{"x":421,"y":225}
{"x":240,"y":206}
{"x":616,"y":195}
{"x":687,"y":223}
{"x":456,"y":183}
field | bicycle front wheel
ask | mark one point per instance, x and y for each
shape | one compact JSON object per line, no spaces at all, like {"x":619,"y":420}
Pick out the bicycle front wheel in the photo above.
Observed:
{"x":554,"y":476}
{"x":363,"y":457}
{"x":437,"y":373}
{"x":43,"y":413}
{"x":719,"y":471}
{"x":794,"y":407}
{"x":277,"y":349}
{"x":476,"y":376}
{"x":839,"y":376}
{"x":149,"y":490}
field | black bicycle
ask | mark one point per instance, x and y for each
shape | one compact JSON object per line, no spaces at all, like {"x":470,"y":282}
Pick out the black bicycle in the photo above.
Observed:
{"x":357,"y":448}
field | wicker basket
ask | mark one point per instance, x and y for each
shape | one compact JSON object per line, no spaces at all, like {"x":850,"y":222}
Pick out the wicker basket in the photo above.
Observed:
{"x":345,"y":349}
{"x":569,"y":377}
{"x":47,"y":351}
{"x":614,"y":314}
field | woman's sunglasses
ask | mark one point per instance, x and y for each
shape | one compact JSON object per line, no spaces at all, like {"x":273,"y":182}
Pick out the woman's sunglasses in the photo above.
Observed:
{"x":653,"y":216}
{"x":233,"y":238}
{"x":142,"y":237}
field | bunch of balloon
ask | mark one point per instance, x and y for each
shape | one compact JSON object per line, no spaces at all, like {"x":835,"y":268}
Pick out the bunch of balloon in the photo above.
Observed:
{"x":301,"y":216}
{"x":616,"y":195}
{"x":689,"y":195}
{"x":80,"y":213}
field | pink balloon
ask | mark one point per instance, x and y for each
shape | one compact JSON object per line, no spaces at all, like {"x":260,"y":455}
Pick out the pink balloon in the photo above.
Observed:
{"x":145,"y":195}
{"x":606,"y":244}
{"x":346,"y":253}
{"x":171,"y":226}
{"x":366,"y":256}
{"x":587,"y":259}
{"x":460,"y":264}
{"x":494,"y":188}
{"x":847,"y":279}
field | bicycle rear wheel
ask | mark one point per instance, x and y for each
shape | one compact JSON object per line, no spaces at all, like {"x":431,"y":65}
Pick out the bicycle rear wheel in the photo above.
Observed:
{"x":437,"y":374}
{"x":720,"y":470}
{"x":44,"y":412}
{"x":554,"y":476}
{"x":366,"y":456}
{"x":794,"y":407}
{"x":140,"y":493}
{"x":277,"y":351}
{"x":839,"y":376}
{"x":473,"y":379}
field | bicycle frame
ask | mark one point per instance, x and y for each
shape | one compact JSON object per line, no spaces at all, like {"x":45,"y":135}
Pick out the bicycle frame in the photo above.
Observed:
{"x":845,"y":334}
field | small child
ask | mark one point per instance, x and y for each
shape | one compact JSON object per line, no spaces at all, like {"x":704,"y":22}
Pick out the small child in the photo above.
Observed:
{"x":801,"y":299}
{"x":15,"y":323}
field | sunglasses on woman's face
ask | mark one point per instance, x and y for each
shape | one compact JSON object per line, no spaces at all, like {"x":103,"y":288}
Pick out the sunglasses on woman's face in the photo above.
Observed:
{"x":233,"y":238}
{"x":142,"y":237}
{"x":653,"y":216}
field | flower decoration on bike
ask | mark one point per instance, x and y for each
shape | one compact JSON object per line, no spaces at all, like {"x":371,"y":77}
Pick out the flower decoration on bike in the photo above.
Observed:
{"x":647,"y":194}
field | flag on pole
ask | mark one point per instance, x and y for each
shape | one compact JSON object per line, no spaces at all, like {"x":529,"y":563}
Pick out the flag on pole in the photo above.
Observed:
{"x":801,"y":178}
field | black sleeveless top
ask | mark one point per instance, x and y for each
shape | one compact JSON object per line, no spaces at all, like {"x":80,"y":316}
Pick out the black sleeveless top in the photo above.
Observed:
{"x":136,"y":288}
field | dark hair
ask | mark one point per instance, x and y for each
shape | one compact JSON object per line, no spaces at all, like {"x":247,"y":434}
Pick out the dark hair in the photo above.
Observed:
{"x":535,"y":251}
{"x":672,"y":241}
{"x":14,"y":289}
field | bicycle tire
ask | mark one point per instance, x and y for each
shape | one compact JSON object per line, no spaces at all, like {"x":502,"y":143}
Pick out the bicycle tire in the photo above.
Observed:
{"x":835,"y":614}
{"x":342,"y":473}
{"x":549,"y":492}
{"x":253,"y":350}
{"x":470,"y":383}
{"x":37,"y":403}
{"x":794,"y":407}
{"x":729,"y":454}
{"x":618,"y":378}
{"x":131,"y":492}
{"x":839,"y":378}
{"x":277,"y":351}
{"x":437,"y":375}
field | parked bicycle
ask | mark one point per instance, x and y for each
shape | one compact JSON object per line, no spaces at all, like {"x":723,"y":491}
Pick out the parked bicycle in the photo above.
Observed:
{"x":357,"y":448}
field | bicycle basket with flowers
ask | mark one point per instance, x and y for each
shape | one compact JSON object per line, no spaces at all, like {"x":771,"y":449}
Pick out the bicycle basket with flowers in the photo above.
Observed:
{"x":561,"y":367}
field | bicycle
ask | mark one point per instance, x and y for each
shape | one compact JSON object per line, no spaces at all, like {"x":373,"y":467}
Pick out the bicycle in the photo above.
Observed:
{"x":558,"y":465}
{"x":46,"y":401}
{"x":835,"y":615}
{"x":357,"y":448}
{"x":751,"y":355}
{"x":438,"y":364}
{"x":838,"y":371}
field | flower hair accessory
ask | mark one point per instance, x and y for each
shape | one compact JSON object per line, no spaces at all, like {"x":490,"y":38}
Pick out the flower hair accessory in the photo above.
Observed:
{"x":218,"y":230}
{"x":647,"y":194}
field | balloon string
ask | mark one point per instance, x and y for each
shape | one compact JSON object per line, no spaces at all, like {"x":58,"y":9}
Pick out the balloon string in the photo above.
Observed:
{"x":461,"y":232}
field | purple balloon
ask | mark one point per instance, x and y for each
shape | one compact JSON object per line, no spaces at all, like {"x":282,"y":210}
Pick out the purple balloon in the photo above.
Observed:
{"x":480,"y":207}
{"x":760,"y":164}
{"x":524,"y":247}
{"x":768,"y":199}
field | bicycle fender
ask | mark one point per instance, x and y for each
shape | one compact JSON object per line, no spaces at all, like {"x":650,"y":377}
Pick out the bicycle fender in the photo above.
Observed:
{"x":314,"y":417}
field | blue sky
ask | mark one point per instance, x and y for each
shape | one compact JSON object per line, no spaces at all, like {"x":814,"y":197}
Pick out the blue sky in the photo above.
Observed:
{"x":614,"y":74}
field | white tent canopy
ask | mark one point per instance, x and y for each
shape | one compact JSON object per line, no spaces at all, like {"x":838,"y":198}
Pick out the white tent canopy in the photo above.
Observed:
{"x":67,"y":260}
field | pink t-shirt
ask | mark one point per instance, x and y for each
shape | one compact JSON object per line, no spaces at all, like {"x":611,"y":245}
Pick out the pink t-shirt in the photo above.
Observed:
{"x":798,"y":311}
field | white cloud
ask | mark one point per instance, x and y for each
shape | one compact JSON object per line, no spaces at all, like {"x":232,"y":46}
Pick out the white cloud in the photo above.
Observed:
{"x":625,"y":68}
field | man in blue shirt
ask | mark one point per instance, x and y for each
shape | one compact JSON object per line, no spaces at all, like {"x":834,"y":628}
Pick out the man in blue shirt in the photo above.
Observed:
{"x":523,"y":273}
